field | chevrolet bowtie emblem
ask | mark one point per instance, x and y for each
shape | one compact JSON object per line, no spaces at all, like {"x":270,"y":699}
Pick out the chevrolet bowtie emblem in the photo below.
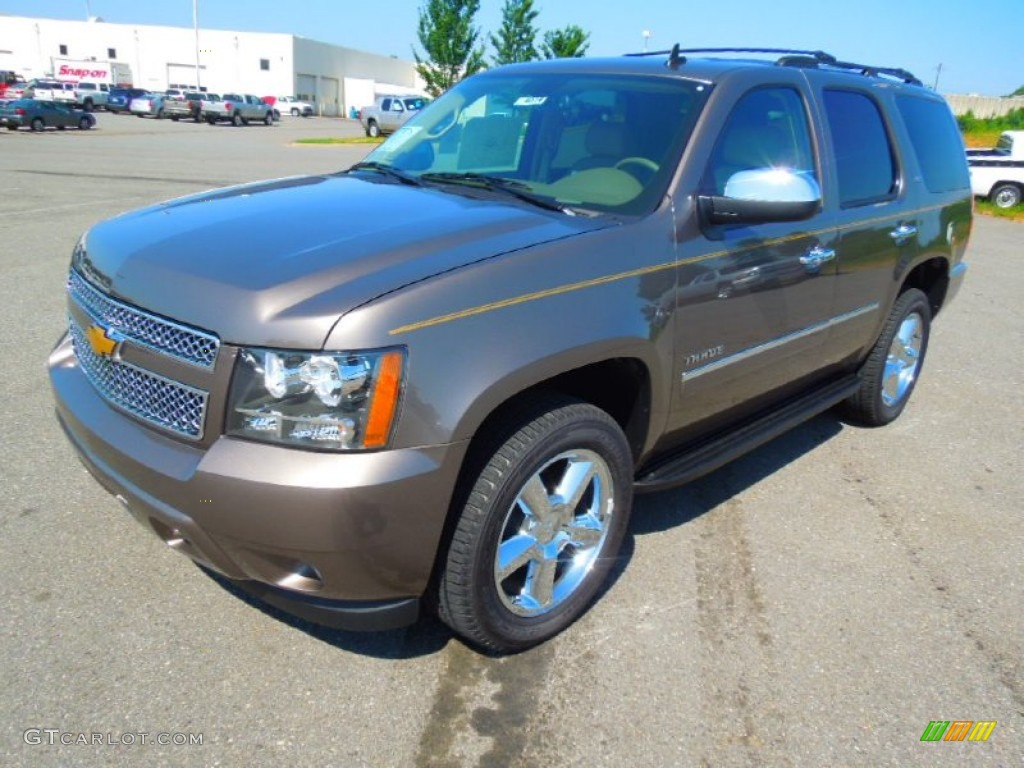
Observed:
{"x":100,"y":341}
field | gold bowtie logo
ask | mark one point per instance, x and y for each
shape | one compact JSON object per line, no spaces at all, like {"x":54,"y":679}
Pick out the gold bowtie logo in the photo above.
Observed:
{"x":100,"y":342}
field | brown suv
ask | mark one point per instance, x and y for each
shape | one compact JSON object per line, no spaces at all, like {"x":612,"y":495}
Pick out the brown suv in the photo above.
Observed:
{"x":560,"y":283}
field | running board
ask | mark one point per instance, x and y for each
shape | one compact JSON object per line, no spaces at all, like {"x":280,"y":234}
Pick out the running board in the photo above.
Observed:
{"x":707,"y":456}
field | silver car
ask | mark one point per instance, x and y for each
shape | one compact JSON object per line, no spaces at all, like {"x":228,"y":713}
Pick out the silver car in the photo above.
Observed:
{"x":151,"y":104}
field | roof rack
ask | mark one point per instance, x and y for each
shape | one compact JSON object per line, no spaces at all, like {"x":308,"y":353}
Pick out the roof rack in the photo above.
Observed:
{"x":789,"y":57}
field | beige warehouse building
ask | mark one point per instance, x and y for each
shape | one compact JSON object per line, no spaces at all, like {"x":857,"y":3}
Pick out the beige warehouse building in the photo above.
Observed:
{"x":334,"y":78}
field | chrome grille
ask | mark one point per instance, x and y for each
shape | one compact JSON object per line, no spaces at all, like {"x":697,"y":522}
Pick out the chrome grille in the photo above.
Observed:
{"x":165,"y":403}
{"x":159,"y":334}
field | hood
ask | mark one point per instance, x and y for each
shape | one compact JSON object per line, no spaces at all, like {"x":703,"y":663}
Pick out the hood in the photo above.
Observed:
{"x":277,"y":263}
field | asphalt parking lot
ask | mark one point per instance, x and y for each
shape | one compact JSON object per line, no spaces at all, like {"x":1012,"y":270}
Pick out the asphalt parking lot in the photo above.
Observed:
{"x":816,"y":603}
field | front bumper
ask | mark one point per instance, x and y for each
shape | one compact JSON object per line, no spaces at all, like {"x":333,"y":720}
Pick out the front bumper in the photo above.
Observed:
{"x":347,"y":540}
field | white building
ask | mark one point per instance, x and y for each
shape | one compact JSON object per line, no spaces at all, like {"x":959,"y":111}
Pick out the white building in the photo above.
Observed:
{"x":335,"y":79}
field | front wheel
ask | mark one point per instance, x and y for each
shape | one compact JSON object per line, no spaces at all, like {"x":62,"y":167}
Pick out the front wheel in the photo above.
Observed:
{"x":1006,"y":196}
{"x":891,"y":370}
{"x":84,"y":124}
{"x":38,"y":124}
{"x":269,"y":119}
{"x":372,"y":130}
{"x":540,"y":527}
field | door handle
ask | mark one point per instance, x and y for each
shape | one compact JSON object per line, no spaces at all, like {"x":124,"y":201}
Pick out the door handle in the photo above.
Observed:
{"x":814,"y":258}
{"x":902,"y":233}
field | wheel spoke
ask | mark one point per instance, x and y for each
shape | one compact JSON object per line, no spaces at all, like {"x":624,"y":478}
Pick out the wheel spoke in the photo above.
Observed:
{"x":534,"y":499}
{"x":574,"y":482}
{"x":540,"y":582}
{"x":514,"y":553}
{"x":585,"y":532}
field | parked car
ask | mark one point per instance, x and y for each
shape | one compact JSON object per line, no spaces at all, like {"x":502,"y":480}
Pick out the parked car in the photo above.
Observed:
{"x":12,"y":84}
{"x":443,"y":388}
{"x":390,"y":112}
{"x":238,"y":109}
{"x":39,"y":115}
{"x":190,"y":106}
{"x":997,"y":173}
{"x":289,"y":105}
{"x":148,"y":105}
{"x":90,"y":96}
{"x":120,"y":99}
{"x":48,"y":90}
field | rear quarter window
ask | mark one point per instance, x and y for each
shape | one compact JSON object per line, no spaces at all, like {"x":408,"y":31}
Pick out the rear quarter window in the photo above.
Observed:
{"x":937,"y":143}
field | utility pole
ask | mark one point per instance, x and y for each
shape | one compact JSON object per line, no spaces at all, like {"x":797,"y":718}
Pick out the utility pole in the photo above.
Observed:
{"x":195,"y":27}
{"x":647,"y":36}
{"x":938,"y":71}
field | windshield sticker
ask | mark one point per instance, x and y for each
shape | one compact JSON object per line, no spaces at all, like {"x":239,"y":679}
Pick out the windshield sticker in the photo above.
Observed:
{"x":530,"y":101}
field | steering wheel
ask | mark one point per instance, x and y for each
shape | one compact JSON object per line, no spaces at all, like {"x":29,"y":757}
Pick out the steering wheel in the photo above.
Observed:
{"x":641,"y":161}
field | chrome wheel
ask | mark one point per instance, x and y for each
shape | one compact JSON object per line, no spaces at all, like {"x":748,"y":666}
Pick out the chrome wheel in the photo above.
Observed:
{"x":553,"y":533}
{"x":903,"y":360}
{"x":1006,"y":196}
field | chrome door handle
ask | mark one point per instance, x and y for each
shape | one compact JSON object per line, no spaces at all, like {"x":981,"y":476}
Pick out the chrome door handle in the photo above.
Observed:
{"x":814,"y":258}
{"x":902,"y":233}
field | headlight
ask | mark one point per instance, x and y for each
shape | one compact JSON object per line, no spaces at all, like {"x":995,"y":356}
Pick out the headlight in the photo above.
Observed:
{"x":341,"y":401}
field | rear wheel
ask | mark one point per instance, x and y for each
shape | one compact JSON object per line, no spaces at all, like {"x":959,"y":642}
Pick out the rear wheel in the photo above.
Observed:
{"x":890,"y":373}
{"x":236,"y":120}
{"x":38,"y":124}
{"x":84,"y":124}
{"x":88,"y":105}
{"x":540,"y":527}
{"x":1005,"y":195}
{"x":268,"y":119}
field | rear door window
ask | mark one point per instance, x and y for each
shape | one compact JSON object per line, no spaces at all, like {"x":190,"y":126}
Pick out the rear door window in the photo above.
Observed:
{"x":865,"y":161}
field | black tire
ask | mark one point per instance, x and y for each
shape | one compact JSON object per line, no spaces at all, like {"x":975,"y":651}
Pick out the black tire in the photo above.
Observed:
{"x":211,"y":120}
{"x":295,"y":112}
{"x":236,"y":120}
{"x":61,"y":127}
{"x":890,"y":373}
{"x":568,"y":440}
{"x":1005,"y":195}
{"x":38,"y":124}
{"x":12,"y":127}
{"x":88,"y":105}
{"x":84,"y":124}
{"x":268,"y":119}
{"x":372,"y":129}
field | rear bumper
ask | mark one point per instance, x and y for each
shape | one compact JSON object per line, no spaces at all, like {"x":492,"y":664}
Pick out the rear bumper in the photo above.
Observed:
{"x":347,"y":540}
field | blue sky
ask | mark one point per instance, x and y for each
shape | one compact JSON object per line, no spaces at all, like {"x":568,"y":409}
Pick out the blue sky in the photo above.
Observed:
{"x":980,"y":45}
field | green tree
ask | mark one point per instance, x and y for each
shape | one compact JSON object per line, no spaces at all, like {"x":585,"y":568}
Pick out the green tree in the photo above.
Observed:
{"x":570,"y":42}
{"x":515,"y":40}
{"x":449,"y":42}
{"x":1018,"y":92}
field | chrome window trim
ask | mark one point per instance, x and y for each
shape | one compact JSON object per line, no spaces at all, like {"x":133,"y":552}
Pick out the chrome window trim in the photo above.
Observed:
{"x":767,"y":346}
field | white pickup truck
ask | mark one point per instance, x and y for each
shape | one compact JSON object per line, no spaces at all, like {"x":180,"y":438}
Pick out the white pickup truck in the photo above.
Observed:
{"x":998,"y":173}
{"x":238,"y":109}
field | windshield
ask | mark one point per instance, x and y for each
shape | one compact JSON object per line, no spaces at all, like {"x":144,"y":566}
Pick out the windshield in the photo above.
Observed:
{"x":598,"y":142}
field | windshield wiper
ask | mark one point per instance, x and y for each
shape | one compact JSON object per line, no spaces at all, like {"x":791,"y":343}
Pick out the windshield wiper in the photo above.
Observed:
{"x":387,"y":170}
{"x":511,"y":187}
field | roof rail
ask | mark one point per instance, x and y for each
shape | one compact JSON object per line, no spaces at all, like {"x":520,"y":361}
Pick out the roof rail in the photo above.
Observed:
{"x":789,"y":57}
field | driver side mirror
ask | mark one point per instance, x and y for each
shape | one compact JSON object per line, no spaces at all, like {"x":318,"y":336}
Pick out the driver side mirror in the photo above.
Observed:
{"x":762,"y":195}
